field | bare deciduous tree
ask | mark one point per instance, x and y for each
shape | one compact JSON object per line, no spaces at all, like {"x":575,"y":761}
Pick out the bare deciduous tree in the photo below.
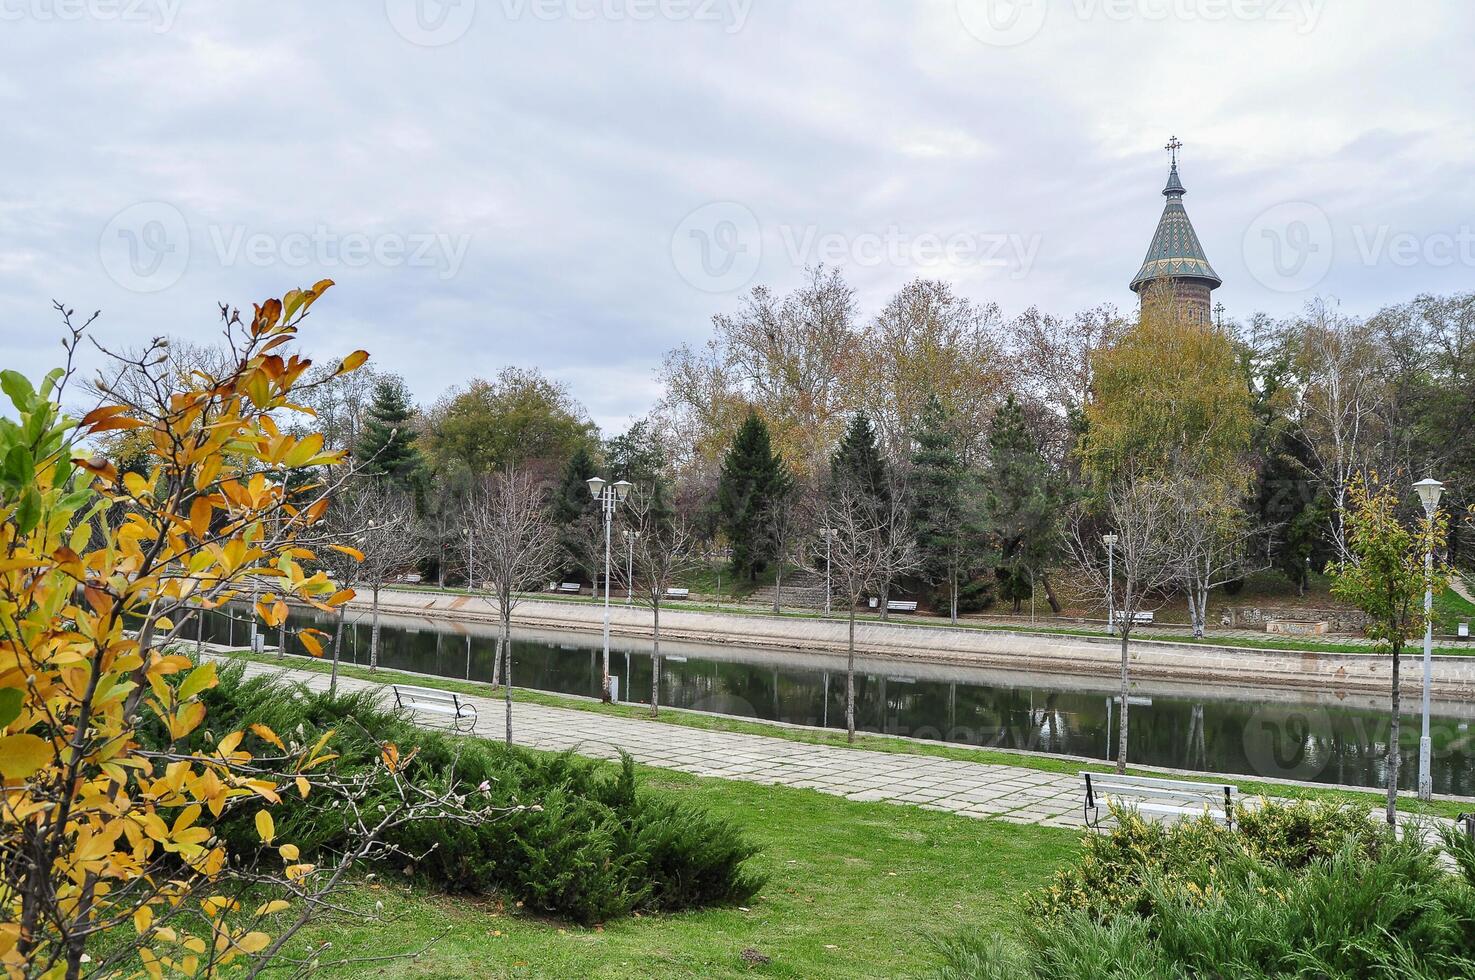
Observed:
{"x":515,"y":548}
{"x":1213,"y":538}
{"x":663,"y":549}
{"x":787,"y":521}
{"x":377,"y":518}
{"x":1136,"y":571}
{"x":867,"y":543}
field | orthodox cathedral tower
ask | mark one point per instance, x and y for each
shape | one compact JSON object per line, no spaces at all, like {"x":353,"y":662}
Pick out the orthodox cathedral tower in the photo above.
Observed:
{"x":1175,"y":260}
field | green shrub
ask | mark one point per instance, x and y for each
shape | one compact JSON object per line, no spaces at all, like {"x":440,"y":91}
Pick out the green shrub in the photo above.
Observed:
{"x":1304,"y":890}
{"x":1127,"y":869}
{"x":581,"y":840}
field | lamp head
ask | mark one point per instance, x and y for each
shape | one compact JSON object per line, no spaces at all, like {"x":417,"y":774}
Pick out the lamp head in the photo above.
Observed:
{"x":622,"y":488}
{"x":596,"y":486}
{"x":1109,"y":540}
{"x":1429,"y":490}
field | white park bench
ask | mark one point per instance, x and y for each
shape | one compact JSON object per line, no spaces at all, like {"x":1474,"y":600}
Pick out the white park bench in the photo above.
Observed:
{"x":1165,"y":797}
{"x":436,"y":702}
{"x":678,"y":593}
{"x":896,"y":605}
{"x":1138,"y":618}
{"x":573,"y":587}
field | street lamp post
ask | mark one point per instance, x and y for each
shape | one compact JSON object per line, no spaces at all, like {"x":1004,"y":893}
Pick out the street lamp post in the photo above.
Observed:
{"x":829,"y":534}
{"x":1110,"y":541}
{"x":1429,"y":491}
{"x":609,"y":497}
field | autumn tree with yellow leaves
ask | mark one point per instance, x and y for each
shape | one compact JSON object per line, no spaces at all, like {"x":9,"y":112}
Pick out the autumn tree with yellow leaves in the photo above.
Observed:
{"x":101,"y":572}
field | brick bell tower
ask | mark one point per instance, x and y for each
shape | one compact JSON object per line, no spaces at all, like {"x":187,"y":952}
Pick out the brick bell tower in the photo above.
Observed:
{"x":1175,"y":260}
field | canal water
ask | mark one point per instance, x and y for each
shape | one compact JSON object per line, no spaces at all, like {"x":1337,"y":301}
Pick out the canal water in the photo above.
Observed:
{"x":1330,"y":738}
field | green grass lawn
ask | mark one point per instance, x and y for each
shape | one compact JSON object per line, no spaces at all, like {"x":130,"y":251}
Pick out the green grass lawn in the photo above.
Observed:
{"x":874,"y":743}
{"x":855,"y":890}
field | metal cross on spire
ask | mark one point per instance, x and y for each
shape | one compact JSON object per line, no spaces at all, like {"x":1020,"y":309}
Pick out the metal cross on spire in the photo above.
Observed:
{"x":1174,"y":145}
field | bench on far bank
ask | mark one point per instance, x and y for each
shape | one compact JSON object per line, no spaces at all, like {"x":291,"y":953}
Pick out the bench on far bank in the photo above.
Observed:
{"x":895,"y":605}
{"x":1138,"y":618}
{"x":1165,"y":798}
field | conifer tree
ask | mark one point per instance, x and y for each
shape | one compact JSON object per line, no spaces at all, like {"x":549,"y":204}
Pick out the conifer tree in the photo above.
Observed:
{"x":753,"y":477}
{"x":947,"y":510}
{"x":1024,"y":504}
{"x":575,"y":514}
{"x":387,"y":447}
{"x":858,"y":463}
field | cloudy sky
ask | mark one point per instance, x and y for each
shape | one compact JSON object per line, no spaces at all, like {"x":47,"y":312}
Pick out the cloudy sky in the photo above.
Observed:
{"x":580,"y":184}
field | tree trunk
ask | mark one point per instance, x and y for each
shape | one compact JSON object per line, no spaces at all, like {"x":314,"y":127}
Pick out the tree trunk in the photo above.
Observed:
{"x":497,"y":663}
{"x":655,"y":657}
{"x":337,"y":647}
{"x":507,"y":669}
{"x":1050,"y":594}
{"x":1121,"y":752}
{"x":778,"y":586}
{"x":881,"y":600}
{"x":954,"y":610}
{"x":1393,"y":755}
{"x":850,"y":682}
{"x":374,"y":635}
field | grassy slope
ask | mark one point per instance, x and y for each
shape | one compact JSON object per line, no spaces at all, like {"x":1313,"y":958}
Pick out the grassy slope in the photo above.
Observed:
{"x":855,"y":890}
{"x":875,"y":743}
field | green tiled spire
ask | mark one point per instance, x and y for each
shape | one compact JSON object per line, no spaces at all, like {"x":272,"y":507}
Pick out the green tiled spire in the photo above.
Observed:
{"x":1175,"y":252}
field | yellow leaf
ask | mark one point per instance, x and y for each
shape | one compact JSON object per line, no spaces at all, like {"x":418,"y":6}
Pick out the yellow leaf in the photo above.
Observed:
{"x":272,"y":907}
{"x":303,"y":786}
{"x":22,"y":755}
{"x":254,"y":942}
{"x":289,"y":852}
{"x":351,"y":552}
{"x":268,"y":735}
{"x":143,"y":918}
{"x":265,"y":826}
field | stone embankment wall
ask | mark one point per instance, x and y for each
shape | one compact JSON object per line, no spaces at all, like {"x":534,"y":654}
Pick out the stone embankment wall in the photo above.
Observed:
{"x":1255,"y":617}
{"x":1454,"y":676}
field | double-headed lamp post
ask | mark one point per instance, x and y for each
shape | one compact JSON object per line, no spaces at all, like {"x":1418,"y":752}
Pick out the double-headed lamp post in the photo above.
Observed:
{"x":609,"y":496}
{"x":1110,"y":541}
{"x":1429,"y":491}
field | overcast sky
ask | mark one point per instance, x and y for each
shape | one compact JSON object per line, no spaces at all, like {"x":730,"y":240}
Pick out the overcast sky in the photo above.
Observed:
{"x":580,"y":184}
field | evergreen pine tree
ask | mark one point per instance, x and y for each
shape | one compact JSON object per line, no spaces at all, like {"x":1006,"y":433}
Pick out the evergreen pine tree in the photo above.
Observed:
{"x":387,"y":447}
{"x":1024,"y":503}
{"x":858,"y":463}
{"x":576,"y":515}
{"x":752,"y":477}
{"x":946,"y":508}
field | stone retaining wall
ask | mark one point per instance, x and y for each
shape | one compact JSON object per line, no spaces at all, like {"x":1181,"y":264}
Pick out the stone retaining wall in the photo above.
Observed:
{"x":1454,"y":676}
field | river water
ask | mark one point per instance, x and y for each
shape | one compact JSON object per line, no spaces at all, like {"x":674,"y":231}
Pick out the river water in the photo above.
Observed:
{"x":1331,"y":737}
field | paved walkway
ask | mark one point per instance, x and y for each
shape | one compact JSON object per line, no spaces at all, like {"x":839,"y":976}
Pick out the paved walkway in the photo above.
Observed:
{"x":972,"y":789}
